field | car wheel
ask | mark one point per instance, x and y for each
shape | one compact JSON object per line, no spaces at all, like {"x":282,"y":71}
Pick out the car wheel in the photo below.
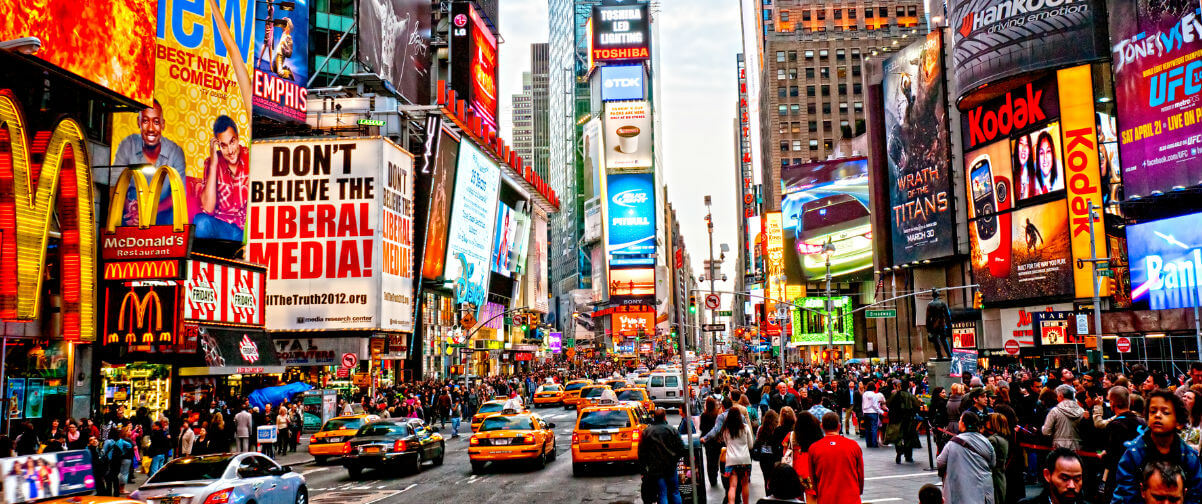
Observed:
{"x":554,"y":455}
{"x":577,"y":469}
{"x":320,"y":459}
{"x":416,"y":467}
{"x":541,"y":461}
{"x":355,"y":472}
{"x":442,"y":453}
{"x":302,"y":496}
{"x":477,"y":467}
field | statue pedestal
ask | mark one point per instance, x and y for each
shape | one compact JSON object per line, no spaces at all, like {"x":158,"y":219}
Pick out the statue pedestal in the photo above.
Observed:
{"x":937,"y":373}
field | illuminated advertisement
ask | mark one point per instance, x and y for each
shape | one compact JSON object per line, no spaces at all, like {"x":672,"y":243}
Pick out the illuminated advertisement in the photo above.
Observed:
{"x":505,"y":241}
{"x":394,"y":41}
{"x":810,"y":324}
{"x":78,"y":37}
{"x":473,"y":217}
{"x":474,"y":61}
{"x":997,"y":39}
{"x":918,"y":143}
{"x":329,"y":219}
{"x":622,"y":82}
{"x":555,"y":342}
{"x":634,"y":324}
{"x":281,"y":60}
{"x":224,"y":293}
{"x":631,"y":218}
{"x":1166,"y":261}
{"x":1018,"y":324}
{"x":594,"y":157}
{"x":828,"y":201}
{"x":1055,"y":328}
{"x":143,"y":315}
{"x":746,"y":175}
{"x":774,"y":246}
{"x":632,"y":286}
{"x":1159,"y":98}
{"x":30,"y":478}
{"x":1082,"y":170}
{"x":627,"y":134}
{"x":1034,"y":259}
{"x":621,"y":33}
{"x":442,"y":179}
{"x":199,"y":121}
{"x":536,"y":265}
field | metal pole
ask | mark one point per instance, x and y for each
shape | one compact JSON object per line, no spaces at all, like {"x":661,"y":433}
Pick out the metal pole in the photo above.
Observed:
{"x":1197,"y":324}
{"x":830,"y":336}
{"x":1097,"y":301}
{"x":688,"y":416}
{"x":709,"y":223}
{"x":782,"y":336}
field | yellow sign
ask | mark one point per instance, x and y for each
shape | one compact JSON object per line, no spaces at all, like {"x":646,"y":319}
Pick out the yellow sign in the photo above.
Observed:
{"x":63,"y":184}
{"x":147,"y":198}
{"x":141,"y":306}
{"x":775,"y":232}
{"x":1083,"y":180}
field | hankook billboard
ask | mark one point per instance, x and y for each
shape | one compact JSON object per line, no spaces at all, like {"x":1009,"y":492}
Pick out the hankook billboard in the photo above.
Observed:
{"x":918,"y":143}
{"x":997,"y":39}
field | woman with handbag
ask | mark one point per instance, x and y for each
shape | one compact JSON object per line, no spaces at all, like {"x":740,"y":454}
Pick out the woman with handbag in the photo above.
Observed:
{"x":767,"y":449}
{"x":807,"y":431}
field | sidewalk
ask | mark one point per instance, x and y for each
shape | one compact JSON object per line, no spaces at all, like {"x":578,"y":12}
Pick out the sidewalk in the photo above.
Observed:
{"x":300,"y":457}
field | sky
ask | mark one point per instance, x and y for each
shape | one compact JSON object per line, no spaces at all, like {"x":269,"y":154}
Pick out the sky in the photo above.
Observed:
{"x":699,"y":40}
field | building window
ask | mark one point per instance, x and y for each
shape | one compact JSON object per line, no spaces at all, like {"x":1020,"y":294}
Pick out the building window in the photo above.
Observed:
{"x":857,"y":88}
{"x":881,"y":12}
{"x":855,"y":53}
{"x":822,"y":13}
{"x":901,"y":11}
{"x":782,"y":109}
{"x":793,"y":91}
{"x":784,"y":16}
{"x":826,"y":126}
{"x":792,"y":74}
{"x":780,"y":74}
{"x":810,"y":73}
{"x":810,"y":91}
{"x":825,"y":71}
{"x":805,"y":15}
{"x":855,"y":70}
{"x":813,"y":145}
{"x":780,"y":56}
{"x":784,"y":162}
{"x":840,"y":54}
{"x":795,"y":108}
{"x":823,"y":53}
{"x":784,"y":127}
{"x":838,"y":13}
{"x":843,"y":107}
{"x":826,"y":108}
{"x":813,"y":125}
{"x":792,"y":55}
{"x":826,"y":90}
{"x":912,"y":11}
{"x":842,"y":89}
{"x":811,"y":109}
{"x":780,"y":92}
{"x":796,"y":127}
{"x":851,"y":13}
{"x":784,"y":146}
{"x":859,"y":106}
{"x":797,"y":145}
{"x":809,"y":55}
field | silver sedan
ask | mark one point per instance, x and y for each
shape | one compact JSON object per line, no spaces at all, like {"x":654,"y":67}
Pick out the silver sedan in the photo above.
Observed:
{"x":247,"y":478}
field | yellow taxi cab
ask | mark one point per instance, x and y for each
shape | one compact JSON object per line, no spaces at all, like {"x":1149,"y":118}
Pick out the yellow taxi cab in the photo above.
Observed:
{"x":571,"y":392}
{"x":486,"y":410}
{"x":636,"y":394}
{"x":617,"y":383}
{"x":512,"y":436}
{"x":591,"y":394}
{"x":607,"y":432}
{"x":327,"y":442}
{"x":548,"y":393}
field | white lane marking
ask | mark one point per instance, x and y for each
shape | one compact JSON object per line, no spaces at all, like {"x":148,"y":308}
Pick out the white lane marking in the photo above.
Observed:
{"x":411,"y":485}
{"x":888,"y":499}
{"x":314,"y":470}
{"x":893,"y":476}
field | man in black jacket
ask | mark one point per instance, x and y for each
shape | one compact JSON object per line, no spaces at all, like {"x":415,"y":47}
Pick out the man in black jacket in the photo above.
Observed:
{"x":1122,"y":428}
{"x":659,"y":452}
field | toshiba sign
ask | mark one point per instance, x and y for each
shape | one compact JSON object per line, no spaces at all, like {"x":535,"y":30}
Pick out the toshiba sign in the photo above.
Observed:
{"x":620,"y":32}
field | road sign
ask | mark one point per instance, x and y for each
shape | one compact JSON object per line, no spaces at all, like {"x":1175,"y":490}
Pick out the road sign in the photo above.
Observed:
{"x":712,"y":301}
{"x":1012,"y":347}
{"x":1123,"y":344}
{"x":1106,"y":273}
{"x":713,"y":327}
{"x":880,"y":313}
{"x":726,"y":313}
{"x":1103,"y":264}
{"x":1082,"y":323}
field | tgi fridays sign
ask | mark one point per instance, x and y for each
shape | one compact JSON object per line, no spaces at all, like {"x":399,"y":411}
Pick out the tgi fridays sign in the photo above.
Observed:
{"x":1018,"y":323}
{"x":224,"y":293}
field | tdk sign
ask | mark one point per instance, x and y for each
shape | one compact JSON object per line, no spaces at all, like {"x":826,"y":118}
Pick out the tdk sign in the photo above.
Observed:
{"x":623,"y":82}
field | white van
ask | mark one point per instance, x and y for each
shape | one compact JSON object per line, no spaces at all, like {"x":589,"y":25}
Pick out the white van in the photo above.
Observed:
{"x":666,"y":389}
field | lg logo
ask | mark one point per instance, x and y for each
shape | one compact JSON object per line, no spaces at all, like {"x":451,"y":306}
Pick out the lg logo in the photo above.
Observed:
{"x":621,"y":83}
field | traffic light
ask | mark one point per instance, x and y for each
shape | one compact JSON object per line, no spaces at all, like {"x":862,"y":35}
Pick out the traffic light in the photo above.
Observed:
{"x":977,"y":300}
{"x":674,"y":332}
{"x":693,"y":304}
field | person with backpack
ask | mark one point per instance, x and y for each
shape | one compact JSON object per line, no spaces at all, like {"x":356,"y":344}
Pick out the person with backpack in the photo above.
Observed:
{"x":966,"y":464}
{"x":119,"y":453}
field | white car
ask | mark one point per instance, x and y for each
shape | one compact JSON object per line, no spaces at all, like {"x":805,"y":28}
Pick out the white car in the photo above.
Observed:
{"x":227,"y":478}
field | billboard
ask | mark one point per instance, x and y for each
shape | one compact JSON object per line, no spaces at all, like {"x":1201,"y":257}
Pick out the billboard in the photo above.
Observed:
{"x":1003,"y":38}
{"x":622,"y":82}
{"x":630,"y":214}
{"x":1165,"y":258}
{"x":1033,"y":259}
{"x":473,"y":217}
{"x":142,"y":315}
{"x":224,"y":293}
{"x":536,"y":265}
{"x":329,"y":220}
{"x":474,"y":61}
{"x":1155,"y":85}
{"x":827,"y":201}
{"x":1018,"y":324}
{"x":630,"y":323}
{"x":632,"y":286}
{"x":594,"y":157}
{"x":199,"y":121}
{"x":627,"y":134}
{"x":810,"y":324}
{"x":281,"y":60}
{"x":78,"y":37}
{"x":32,"y":478}
{"x":918,"y":143}
{"x":504,"y":243}
{"x":621,"y":33}
{"x":442,"y":188}
{"x":394,"y":39}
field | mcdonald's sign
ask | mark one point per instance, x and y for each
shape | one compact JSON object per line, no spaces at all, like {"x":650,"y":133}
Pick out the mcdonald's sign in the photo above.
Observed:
{"x":43,"y":175}
{"x":143,"y":315}
{"x":143,"y":270}
{"x":145,"y":240}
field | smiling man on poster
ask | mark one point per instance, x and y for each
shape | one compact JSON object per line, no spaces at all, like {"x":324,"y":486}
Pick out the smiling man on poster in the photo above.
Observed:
{"x":217,"y":200}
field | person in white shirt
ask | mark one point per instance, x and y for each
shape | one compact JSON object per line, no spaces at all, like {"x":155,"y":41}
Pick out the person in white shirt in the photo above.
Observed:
{"x":874,"y":405}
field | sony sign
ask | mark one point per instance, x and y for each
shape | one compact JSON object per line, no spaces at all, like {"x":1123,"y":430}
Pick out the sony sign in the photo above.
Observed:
{"x":622,"y":82}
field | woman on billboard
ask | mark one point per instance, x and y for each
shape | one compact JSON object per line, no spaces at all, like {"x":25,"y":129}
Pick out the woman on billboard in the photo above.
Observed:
{"x":1045,"y":155}
{"x":1024,"y":167}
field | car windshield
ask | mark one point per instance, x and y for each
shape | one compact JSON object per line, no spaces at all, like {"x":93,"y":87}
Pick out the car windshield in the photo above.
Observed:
{"x":383,"y":429}
{"x":592,"y":392}
{"x":342,"y":423}
{"x":490,"y":408}
{"x":576,"y":386}
{"x":549,"y":388}
{"x":845,"y":211}
{"x":507,"y":423}
{"x":192,"y":469}
{"x":631,"y":395}
{"x":604,"y":419}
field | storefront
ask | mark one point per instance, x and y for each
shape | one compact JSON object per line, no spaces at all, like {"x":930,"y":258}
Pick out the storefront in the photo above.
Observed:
{"x":322,"y":361}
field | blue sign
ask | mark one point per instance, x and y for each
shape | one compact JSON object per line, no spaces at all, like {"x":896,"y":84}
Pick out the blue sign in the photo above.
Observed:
{"x":623,"y":82}
{"x":630,"y":211}
{"x":1166,"y":261}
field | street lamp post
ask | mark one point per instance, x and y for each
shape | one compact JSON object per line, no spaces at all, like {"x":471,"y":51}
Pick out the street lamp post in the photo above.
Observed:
{"x":780,"y":279}
{"x":709,"y":224}
{"x":827,"y":249}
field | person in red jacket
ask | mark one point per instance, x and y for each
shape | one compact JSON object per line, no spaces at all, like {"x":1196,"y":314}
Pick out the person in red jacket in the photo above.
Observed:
{"x":837,"y":464}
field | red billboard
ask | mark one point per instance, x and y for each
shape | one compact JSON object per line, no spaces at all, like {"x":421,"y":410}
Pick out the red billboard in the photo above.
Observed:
{"x":474,"y":61}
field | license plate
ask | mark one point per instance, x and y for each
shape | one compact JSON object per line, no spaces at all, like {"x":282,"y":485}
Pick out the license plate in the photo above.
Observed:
{"x":332,"y":440}
{"x":500,"y":442}
{"x":496,"y":452}
{"x":169,"y":500}
{"x":372,"y":449}
{"x":604,"y":437}
{"x":670,"y":394}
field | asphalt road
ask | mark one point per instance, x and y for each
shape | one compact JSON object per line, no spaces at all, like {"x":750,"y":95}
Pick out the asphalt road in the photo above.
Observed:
{"x":454,"y":481}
